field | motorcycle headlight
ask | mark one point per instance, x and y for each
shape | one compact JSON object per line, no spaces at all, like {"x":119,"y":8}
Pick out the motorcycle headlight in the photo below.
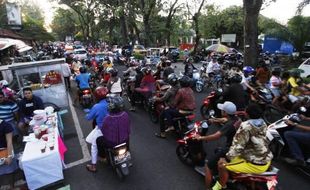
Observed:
{"x":121,"y":151}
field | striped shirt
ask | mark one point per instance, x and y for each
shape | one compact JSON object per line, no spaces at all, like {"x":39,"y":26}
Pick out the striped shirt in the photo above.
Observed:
{"x":7,"y":110}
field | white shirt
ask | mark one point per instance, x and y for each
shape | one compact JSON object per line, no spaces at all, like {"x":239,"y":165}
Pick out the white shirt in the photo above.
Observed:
{"x":213,"y":67}
{"x":66,"y":72}
{"x":116,"y":87}
{"x":276,"y":80}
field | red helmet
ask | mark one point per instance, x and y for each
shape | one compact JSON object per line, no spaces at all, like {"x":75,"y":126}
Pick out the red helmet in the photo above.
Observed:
{"x":101,"y":92}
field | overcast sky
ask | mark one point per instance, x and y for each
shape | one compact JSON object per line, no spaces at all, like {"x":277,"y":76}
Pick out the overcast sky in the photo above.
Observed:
{"x":281,"y":10}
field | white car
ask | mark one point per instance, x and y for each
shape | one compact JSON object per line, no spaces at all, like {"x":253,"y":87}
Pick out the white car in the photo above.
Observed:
{"x":305,"y":66}
{"x":80,"y":54}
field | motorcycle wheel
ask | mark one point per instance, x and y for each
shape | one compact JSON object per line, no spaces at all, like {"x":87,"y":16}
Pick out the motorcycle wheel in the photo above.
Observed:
{"x":153,"y":116}
{"x":119,"y":173}
{"x":184,"y":155}
{"x":86,"y":102}
{"x":205,"y":112}
{"x":198,"y":87}
{"x":272,"y":114}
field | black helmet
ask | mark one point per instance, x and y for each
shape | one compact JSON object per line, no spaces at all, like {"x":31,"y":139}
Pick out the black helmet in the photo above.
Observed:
{"x":172,"y":79}
{"x":83,"y":69}
{"x":113,"y":72}
{"x":146,"y":70}
{"x":185,"y":81}
{"x":116,"y":104}
{"x":235,"y":79}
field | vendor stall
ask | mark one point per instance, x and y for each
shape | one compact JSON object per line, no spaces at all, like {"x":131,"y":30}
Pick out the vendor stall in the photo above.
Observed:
{"x":42,"y":159}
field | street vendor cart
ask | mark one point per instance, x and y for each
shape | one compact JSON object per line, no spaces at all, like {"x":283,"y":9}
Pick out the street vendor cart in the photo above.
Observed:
{"x":44,"y":78}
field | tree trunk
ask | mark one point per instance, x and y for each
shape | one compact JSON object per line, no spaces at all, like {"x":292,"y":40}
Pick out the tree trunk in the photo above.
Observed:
{"x":251,"y":13}
{"x":147,"y":31}
{"x":196,"y":23}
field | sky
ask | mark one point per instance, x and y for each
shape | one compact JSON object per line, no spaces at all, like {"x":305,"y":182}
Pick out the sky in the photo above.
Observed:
{"x":281,"y":10}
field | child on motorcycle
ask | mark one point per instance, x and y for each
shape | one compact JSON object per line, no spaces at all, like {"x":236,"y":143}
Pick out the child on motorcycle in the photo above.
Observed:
{"x":249,"y":152}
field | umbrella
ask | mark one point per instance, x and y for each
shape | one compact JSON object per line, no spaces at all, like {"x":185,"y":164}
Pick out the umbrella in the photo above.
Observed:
{"x":219,"y":48}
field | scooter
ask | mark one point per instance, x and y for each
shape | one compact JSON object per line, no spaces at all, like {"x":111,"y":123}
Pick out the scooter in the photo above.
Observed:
{"x":86,"y":99}
{"x":209,"y":107}
{"x":277,"y":142}
{"x":120,"y":159}
{"x":191,"y":152}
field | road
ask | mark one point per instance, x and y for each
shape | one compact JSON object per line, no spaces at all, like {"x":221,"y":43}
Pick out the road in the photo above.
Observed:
{"x":155,"y":164}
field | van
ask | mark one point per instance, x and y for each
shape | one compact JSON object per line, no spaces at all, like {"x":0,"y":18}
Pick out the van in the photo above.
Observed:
{"x":305,"y":66}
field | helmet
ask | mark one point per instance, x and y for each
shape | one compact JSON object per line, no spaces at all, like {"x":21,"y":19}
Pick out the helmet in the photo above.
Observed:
{"x":235,"y":78}
{"x":146,"y":70}
{"x":4,"y":83}
{"x":116,"y":104}
{"x":101,"y":92}
{"x":83,"y":69}
{"x":113,"y":72}
{"x":172,"y":79}
{"x":248,"y":70}
{"x":185,"y":81}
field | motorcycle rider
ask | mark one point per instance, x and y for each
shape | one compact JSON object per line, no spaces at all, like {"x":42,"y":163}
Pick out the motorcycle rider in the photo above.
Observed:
{"x":167,"y":70}
{"x":168,"y":99}
{"x":82,"y":81}
{"x":100,"y":109}
{"x":114,"y":83}
{"x":249,"y":152}
{"x":184,"y":104}
{"x":213,"y":67}
{"x":235,"y":92}
{"x":189,"y":67}
{"x":115,"y":127}
{"x":300,"y":135}
{"x":146,"y":87}
{"x":228,"y":130}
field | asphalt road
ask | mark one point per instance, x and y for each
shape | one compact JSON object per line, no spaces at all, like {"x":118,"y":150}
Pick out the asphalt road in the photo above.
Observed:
{"x":155,"y":164}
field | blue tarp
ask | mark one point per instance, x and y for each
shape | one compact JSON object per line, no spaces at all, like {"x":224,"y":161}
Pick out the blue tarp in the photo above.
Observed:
{"x":272,"y":44}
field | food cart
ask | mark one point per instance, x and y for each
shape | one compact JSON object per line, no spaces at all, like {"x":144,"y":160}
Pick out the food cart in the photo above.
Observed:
{"x":44,"y":78}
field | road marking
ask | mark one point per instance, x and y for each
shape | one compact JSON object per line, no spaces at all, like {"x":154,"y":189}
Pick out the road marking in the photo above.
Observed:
{"x":85,"y":151}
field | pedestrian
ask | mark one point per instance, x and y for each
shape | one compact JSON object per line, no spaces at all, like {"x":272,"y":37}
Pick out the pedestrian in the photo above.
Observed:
{"x":66,"y":72}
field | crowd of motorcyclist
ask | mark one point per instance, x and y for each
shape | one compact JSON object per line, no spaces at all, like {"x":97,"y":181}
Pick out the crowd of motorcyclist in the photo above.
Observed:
{"x":246,"y":149}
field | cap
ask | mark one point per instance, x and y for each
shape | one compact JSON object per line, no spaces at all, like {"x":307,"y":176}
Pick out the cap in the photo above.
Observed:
{"x":228,"y":107}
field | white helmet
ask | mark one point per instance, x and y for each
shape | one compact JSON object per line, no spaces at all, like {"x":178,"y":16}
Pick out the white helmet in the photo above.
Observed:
{"x":3,"y":83}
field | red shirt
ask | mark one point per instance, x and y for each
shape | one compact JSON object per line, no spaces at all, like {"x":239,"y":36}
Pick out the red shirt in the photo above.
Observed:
{"x":185,"y":99}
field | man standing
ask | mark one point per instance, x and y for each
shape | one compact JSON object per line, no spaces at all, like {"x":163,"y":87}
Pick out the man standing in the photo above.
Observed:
{"x":66,"y":72}
{"x":26,"y":106}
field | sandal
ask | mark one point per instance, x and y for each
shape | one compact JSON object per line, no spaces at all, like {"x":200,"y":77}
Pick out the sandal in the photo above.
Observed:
{"x":159,"y":135}
{"x":91,"y":168}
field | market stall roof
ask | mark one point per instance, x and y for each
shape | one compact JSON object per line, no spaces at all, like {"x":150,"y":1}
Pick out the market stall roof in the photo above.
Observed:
{"x":20,"y":45}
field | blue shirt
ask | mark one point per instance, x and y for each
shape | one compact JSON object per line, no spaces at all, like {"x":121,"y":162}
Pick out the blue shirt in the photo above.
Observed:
{"x":7,"y":110}
{"x":83,"y":80}
{"x":98,"y":112}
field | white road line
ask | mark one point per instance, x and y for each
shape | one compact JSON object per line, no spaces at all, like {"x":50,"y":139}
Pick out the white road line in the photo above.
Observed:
{"x":85,"y":151}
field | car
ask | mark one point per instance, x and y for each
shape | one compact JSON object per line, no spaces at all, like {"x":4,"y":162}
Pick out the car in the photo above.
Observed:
{"x":139,"y":49}
{"x":78,"y":47}
{"x":80,"y":54}
{"x":305,"y":66}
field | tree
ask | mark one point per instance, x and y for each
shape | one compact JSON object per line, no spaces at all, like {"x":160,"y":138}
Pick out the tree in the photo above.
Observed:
{"x":147,"y":7}
{"x":195,"y":18}
{"x":302,"y":5}
{"x":251,"y":13}
{"x":64,"y":23}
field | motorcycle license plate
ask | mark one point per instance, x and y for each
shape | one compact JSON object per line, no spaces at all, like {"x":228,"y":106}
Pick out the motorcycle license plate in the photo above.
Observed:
{"x":86,"y":96}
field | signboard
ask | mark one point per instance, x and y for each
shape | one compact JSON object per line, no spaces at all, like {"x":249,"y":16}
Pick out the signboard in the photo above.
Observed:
{"x":13,"y":14}
{"x":228,"y":38}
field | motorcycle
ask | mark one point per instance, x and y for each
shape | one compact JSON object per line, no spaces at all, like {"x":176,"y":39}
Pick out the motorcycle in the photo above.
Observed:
{"x":86,"y":99}
{"x":263,"y":97}
{"x":120,"y":159}
{"x":190,"y":151}
{"x":278,"y":144}
{"x":209,"y":107}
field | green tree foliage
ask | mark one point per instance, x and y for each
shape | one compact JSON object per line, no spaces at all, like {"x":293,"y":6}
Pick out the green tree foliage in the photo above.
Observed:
{"x":64,"y":23}
{"x":299,"y":30}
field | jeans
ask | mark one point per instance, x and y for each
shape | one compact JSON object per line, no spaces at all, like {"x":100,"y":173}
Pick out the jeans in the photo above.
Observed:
{"x":168,"y":114}
{"x":294,"y":139}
